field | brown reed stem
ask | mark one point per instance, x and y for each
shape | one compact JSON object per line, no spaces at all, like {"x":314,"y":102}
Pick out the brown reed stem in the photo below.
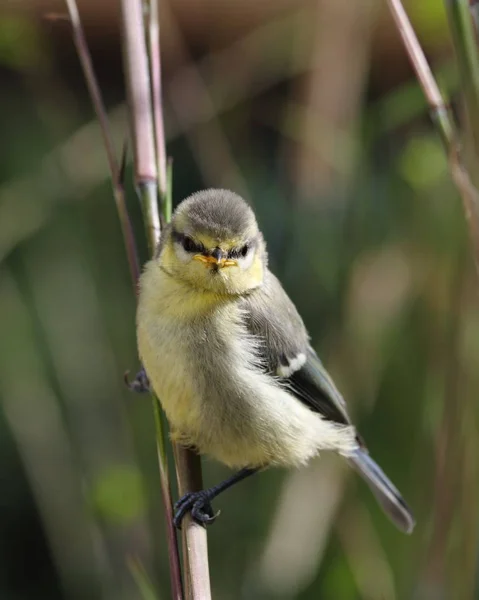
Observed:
{"x":443,"y":123}
{"x":146,"y":176}
{"x":156,"y":92}
{"x":99,"y":106}
{"x":188,"y":464}
{"x":146,"y":179}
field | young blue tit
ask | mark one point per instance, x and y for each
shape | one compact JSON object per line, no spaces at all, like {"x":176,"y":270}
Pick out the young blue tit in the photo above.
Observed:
{"x":229,"y":357}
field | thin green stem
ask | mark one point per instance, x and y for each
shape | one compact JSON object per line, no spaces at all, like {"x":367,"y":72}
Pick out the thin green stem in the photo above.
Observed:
{"x":148,"y":192}
{"x":474,"y":7}
{"x":142,"y":580}
{"x":167,"y":206}
{"x":465,"y":44}
{"x":164,"y":474}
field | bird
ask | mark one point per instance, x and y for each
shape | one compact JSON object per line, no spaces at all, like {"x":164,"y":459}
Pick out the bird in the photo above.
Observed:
{"x":229,"y":358}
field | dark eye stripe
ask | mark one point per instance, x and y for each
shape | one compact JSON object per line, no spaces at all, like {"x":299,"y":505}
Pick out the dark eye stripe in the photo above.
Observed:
{"x":240,"y":252}
{"x":234,"y":253}
{"x":188,"y":243}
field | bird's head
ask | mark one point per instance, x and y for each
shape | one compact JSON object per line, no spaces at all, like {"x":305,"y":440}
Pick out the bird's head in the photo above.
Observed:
{"x":213,"y":243}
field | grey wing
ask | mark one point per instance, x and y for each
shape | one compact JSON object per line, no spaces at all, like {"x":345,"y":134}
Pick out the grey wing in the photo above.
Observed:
{"x":272,"y":317}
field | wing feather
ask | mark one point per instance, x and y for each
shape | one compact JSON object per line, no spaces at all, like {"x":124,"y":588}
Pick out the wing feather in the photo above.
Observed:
{"x":271,"y":316}
{"x":285,"y":350}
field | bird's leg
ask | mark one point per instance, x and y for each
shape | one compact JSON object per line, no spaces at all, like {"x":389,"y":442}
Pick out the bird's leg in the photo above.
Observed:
{"x":141,"y":383}
{"x":198,"y":503}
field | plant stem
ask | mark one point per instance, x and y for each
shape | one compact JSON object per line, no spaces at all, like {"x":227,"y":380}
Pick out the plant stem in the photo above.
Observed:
{"x":465,"y":44}
{"x":115,"y":170}
{"x":167,"y":207}
{"x":153,"y":179}
{"x":155,"y":63}
{"x":195,"y":548}
{"x":138,"y":84}
{"x":146,"y":177}
{"x":188,"y":464}
{"x":474,"y":8}
{"x":425,"y":77}
{"x":147,"y":120}
{"x":142,"y":581}
{"x":146,"y":180}
{"x":443,"y":122}
{"x":148,"y":193}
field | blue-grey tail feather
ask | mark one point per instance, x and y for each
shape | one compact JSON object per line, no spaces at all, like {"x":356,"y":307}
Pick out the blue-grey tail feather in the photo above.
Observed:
{"x":386,"y":493}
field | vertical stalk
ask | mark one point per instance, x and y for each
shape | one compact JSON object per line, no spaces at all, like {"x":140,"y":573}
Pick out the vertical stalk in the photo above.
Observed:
{"x":141,"y":117}
{"x":443,"y":122}
{"x":155,"y":64}
{"x":465,"y":45}
{"x":115,"y":170}
{"x":195,"y":549}
{"x":154,"y":180}
{"x":146,"y":178}
{"x":188,"y":464}
{"x":437,"y":106}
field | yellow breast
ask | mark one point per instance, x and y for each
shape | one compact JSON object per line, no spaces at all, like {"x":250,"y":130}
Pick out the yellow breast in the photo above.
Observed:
{"x":167,"y":312}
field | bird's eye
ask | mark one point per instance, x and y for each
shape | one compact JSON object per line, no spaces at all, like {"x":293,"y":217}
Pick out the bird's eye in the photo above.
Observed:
{"x":189,"y":245}
{"x":236,"y":253}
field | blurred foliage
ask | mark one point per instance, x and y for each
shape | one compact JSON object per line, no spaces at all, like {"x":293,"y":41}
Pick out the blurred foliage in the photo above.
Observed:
{"x":118,"y":495}
{"x":429,"y":19}
{"x":377,"y":261}
{"x":20,"y":45}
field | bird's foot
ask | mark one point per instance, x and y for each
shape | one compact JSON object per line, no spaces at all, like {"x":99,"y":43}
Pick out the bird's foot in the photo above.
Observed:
{"x":199,"y":504}
{"x":141,"y":383}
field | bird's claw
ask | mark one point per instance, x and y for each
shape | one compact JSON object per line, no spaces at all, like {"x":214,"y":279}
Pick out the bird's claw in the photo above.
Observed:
{"x":141,"y":383}
{"x":198,"y":503}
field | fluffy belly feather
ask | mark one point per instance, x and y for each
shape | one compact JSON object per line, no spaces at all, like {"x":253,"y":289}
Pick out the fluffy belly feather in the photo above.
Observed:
{"x":199,"y":413}
{"x":204,"y":370}
{"x":167,"y":369}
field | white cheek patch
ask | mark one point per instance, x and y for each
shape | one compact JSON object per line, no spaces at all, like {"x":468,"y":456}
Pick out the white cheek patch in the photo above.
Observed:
{"x":182,"y":254}
{"x":294,"y":364}
{"x":245,"y":262}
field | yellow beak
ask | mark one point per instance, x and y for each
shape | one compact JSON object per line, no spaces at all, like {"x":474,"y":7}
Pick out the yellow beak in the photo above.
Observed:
{"x":221,"y":262}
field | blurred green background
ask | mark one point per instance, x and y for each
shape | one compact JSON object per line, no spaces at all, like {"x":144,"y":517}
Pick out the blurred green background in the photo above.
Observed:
{"x":310,"y":110}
